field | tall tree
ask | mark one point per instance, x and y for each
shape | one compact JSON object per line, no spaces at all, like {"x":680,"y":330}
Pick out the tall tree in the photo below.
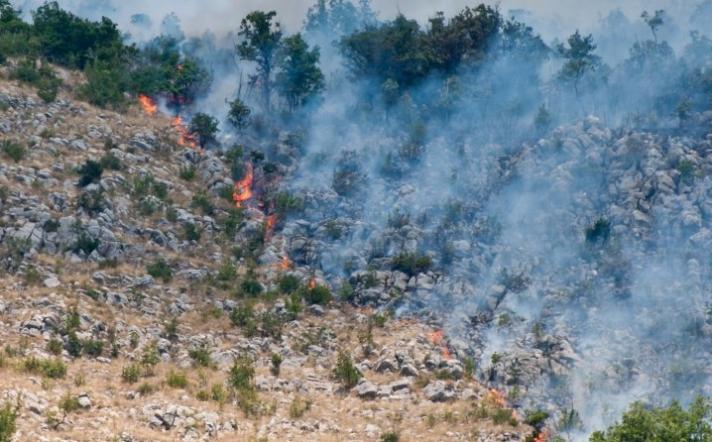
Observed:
{"x":654,"y":21}
{"x":260,"y":37}
{"x":299,"y":77}
{"x":579,"y":57}
{"x":204,"y":127}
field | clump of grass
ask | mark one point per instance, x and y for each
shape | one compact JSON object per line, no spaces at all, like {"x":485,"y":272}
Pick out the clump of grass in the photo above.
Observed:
{"x":131,"y":373}
{"x":160,"y":269}
{"x":299,"y":407}
{"x":177,"y":380}
{"x":49,"y":368}
{"x":13,"y":150}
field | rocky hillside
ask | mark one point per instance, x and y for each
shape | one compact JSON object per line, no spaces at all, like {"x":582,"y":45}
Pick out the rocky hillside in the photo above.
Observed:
{"x":139,"y":304}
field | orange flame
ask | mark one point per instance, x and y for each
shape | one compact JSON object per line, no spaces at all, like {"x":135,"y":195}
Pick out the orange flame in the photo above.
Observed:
{"x":186,"y":138}
{"x":312,"y":283}
{"x":497,"y":398}
{"x":243,"y":189}
{"x":148,"y":105}
{"x":437,"y":337}
{"x":285,"y":264}
{"x":269,"y":226}
{"x":543,"y":436}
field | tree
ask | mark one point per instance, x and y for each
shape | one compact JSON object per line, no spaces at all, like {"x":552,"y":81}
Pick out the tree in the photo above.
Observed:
{"x":299,"y":77}
{"x":654,"y":21}
{"x":259,"y":41}
{"x":204,"y":127}
{"x":642,"y":423}
{"x":239,"y":114}
{"x":579,"y":57}
{"x":73,"y":41}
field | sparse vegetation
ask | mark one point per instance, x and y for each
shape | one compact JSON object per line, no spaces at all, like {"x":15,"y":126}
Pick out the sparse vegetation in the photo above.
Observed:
{"x":345,"y":371}
{"x":160,"y":269}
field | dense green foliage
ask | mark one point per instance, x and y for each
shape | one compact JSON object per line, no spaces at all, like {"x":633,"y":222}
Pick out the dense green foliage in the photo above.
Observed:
{"x":299,"y":77}
{"x":8,"y":419}
{"x":646,"y":424}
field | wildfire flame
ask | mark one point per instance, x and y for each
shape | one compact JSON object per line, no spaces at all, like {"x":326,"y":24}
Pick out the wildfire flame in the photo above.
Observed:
{"x":186,"y":138}
{"x":437,"y":337}
{"x":497,"y":398}
{"x":543,"y":436}
{"x":312,"y":283}
{"x":269,"y":226}
{"x":285,"y":264}
{"x":243,"y":189}
{"x":148,"y":105}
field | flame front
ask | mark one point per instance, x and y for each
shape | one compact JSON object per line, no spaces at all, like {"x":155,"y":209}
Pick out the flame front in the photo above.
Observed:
{"x":186,"y":138}
{"x":243,"y":189}
{"x":148,"y":105}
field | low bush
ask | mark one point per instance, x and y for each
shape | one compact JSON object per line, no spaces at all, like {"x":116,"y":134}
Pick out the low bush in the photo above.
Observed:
{"x":8,"y":421}
{"x":13,"y":150}
{"x":131,"y":373}
{"x":345,"y":371}
{"x":160,"y":269}
{"x":177,"y":380}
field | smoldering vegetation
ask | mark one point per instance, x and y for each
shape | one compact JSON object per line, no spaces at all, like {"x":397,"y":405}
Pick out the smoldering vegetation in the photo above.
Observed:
{"x":549,"y":201}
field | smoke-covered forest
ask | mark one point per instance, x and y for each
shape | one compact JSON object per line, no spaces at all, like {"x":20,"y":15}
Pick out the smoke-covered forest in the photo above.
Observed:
{"x":546,"y":197}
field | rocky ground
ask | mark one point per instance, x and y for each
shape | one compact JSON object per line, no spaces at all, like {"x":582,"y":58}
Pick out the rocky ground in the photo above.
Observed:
{"x":96,"y":349}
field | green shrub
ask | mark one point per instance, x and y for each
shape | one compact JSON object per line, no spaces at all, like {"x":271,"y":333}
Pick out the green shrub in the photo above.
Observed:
{"x":502,"y":416}
{"x":298,"y":407}
{"x":673,"y":423}
{"x":411,"y":263}
{"x":131,"y":373}
{"x":8,"y":422}
{"x":32,"y":276}
{"x":242,"y":316}
{"x":345,"y":371}
{"x":110,"y":162}
{"x":55,"y":347}
{"x":48,"y":90}
{"x":146,"y":388}
{"x":232,"y":222}
{"x":13,"y":150}
{"x":191,"y":232}
{"x":218,"y":393}
{"x":50,"y":368}
{"x":317,"y":295}
{"x":93,"y":201}
{"x":202,"y":201}
{"x":160,"y":270}
{"x":201,"y":357}
{"x":390,"y":436}
{"x":177,"y":380}
{"x":288,"y":284}
{"x":93,"y":347}
{"x":90,"y":172}
{"x":227,"y":272}
{"x":105,"y":86}
{"x":69,"y":404}
{"x":599,"y":232}
{"x":74,"y":344}
{"x":242,"y":374}
{"x":250,"y":287}
{"x":187,"y":173}
{"x":276,"y":363}
{"x":85,"y":244}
